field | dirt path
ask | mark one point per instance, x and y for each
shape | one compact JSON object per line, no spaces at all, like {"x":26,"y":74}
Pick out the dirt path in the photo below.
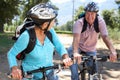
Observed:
{"x":110,"y":71}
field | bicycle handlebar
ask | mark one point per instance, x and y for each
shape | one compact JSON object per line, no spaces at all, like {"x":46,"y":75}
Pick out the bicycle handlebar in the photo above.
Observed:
{"x":60,"y":66}
{"x":98,"y":58}
{"x":88,"y":58}
{"x":41,"y":69}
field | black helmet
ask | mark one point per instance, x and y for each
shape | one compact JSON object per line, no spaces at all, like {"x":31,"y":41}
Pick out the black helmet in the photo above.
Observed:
{"x":92,"y":6}
{"x":41,"y":13}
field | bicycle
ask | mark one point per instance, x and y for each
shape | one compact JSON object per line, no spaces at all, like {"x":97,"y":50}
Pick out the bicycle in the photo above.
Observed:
{"x":28,"y":74}
{"x":85,"y":69}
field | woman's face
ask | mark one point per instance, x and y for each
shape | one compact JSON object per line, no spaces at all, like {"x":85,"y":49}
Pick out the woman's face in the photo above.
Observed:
{"x":45,"y":25}
{"x":90,"y":17}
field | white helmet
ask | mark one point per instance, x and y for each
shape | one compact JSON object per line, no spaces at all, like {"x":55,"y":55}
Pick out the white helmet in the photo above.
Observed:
{"x":42,"y":12}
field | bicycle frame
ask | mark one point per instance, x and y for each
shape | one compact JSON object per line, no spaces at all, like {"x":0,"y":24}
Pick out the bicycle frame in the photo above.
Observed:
{"x":85,"y":69}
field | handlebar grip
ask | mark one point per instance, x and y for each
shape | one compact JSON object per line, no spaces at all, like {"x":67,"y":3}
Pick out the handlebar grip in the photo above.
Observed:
{"x":9,"y":75}
{"x":103,"y":58}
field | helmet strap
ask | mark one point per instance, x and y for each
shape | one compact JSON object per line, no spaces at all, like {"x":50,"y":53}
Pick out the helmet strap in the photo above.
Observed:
{"x":47,"y":26}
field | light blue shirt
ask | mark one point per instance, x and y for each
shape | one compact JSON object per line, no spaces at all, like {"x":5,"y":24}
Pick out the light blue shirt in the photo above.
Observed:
{"x":40,"y":56}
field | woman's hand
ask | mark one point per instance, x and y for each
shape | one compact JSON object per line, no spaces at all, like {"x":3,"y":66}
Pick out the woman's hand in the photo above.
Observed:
{"x":67,"y":61}
{"x":16,"y":73}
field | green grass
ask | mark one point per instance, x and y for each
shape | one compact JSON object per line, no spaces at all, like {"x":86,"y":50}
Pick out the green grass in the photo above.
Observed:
{"x":64,"y":32}
{"x":5,"y":42}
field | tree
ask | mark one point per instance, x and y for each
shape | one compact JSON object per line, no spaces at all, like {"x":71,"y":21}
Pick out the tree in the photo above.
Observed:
{"x":118,"y":3}
{"x":8,"y":9}
{"x":78,"y":12}
{"x":11,"y":8}
{"x":67,"y":27}
{"x":112,"y":18}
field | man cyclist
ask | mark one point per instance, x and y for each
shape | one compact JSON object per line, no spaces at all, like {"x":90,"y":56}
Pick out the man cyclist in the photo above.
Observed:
{"x":86,"y":41}
{"x":43,"y":16}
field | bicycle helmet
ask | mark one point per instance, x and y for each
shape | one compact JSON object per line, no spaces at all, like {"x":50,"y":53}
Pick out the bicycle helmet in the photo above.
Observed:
{"x":92,"y":7}
{"x":41,"y":13}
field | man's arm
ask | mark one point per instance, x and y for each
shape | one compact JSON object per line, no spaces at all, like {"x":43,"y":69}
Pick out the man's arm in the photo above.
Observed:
{"x":113,"y":55}
{"x":76,"y":39}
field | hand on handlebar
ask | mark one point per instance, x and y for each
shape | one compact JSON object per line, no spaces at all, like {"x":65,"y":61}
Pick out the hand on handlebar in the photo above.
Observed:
{"x":113,"y":57}
{"x":16,"y":73}
{"x":67,"y":62}
{"x":77,"y":57}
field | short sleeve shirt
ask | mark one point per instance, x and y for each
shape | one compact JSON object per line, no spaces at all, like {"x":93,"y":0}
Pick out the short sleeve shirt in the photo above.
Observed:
{"x":88,"y":39}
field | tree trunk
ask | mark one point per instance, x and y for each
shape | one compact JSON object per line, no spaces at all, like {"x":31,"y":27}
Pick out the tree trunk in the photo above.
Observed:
{"x":1,"y":28}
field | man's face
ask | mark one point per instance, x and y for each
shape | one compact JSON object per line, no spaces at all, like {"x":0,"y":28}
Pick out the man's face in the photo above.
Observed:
{"x":90,"y":17}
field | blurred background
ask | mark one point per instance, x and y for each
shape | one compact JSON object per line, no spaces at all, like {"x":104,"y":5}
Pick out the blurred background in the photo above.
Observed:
{"x":13,"y":12}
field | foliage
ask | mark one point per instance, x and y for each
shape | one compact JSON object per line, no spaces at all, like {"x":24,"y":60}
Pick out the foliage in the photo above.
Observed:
{"x":78,"y":12}
{"x":8,"y":9}
{"x":114,"y":33}
{"x":64,"y":32}
{"x":112,"y":18}
{"x":67,"y":27}
{"x":9,"y":28}
{"x":12,"y":8}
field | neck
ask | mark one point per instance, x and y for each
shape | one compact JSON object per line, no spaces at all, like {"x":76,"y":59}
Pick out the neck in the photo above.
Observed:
{"x":39,"y":31}
{"x":90,"y":25}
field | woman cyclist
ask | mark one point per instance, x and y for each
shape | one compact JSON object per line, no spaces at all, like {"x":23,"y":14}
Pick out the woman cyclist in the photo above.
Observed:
{"x":43,"y":15}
